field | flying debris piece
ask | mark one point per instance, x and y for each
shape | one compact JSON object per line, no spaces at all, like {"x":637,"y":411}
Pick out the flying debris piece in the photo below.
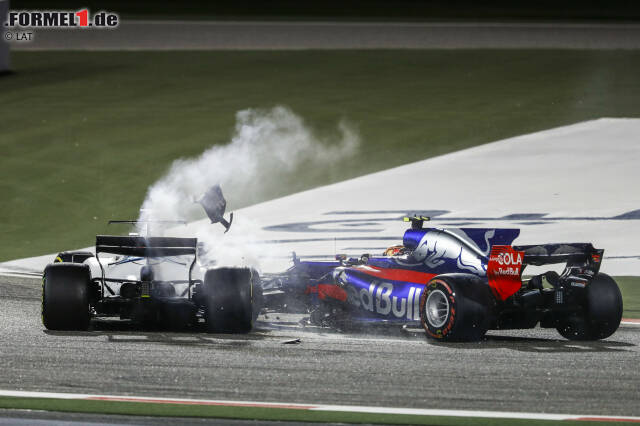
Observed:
{"x":214,"y":205}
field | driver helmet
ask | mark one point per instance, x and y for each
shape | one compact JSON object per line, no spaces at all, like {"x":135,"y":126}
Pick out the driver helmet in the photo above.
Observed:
{"x":394,"y":251}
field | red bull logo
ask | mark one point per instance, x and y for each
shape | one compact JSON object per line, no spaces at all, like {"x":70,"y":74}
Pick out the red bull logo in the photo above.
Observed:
{"x":379,"y":298}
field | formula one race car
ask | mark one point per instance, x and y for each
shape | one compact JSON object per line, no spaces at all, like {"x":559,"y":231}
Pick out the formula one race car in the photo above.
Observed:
{"x":458,"y":283}
{"x":142,"y":282}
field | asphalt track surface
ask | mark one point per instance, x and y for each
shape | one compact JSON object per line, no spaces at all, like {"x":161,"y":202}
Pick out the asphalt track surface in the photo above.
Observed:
{"x":527,"y":371}
{"x":208,"y":35}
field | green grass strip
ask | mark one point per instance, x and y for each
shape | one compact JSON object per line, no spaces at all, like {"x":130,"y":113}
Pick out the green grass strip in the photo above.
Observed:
{"x":84,"y":134}
{"x":630,"y":289}
{"x":253,"y":413}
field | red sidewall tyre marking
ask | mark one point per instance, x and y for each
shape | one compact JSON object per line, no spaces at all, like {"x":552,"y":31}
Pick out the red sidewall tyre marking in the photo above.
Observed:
{"x":445,"y":329}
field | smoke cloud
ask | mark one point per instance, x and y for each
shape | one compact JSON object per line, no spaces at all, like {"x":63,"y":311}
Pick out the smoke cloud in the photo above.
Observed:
{"x":266,"y":146}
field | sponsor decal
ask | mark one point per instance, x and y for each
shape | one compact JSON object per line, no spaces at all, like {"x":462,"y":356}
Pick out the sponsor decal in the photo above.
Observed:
{"x":510,"y":258}
{"x":330,"y":291}
{"x":510,"y":263}
{"x":379,"y":298}
{"x":503,"y":271}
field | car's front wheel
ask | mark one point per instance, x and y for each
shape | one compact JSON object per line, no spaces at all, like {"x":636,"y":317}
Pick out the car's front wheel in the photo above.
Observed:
{"x":455,"y":309}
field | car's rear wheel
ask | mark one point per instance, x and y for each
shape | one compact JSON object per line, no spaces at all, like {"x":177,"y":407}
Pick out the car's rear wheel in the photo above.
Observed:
{"x":65,"y":296}
{"x":176,"y":315}
{"x":602,"y":312}
{"x":455,"y":309}
{"x":229,"y":300}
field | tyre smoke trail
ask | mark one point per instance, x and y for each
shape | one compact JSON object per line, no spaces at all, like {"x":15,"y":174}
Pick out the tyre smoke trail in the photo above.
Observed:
{"x":266,"y":146}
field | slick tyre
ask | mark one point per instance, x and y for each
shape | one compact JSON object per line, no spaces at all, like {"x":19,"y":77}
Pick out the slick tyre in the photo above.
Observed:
{"x":229,"y":300}
{"x":65,"y":296}
{"x":176,"y":316}
{"x":455,"y":309}
{"x":602,"y":314}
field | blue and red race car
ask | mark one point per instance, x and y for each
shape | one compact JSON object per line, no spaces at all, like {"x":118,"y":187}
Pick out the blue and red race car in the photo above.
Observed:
{"x":457,"y":283}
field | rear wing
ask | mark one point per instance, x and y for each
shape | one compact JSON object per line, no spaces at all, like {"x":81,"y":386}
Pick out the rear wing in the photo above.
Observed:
{"x":574,"y":254}
{"x":146,"y":246}
{"x":506,"y":264}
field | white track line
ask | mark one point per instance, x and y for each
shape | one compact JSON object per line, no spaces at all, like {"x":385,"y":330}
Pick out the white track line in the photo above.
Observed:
{"x":320,"y":407}
{"x":19,"y":274}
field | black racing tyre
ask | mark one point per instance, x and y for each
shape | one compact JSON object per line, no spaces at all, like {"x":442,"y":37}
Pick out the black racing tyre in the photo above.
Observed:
{"x":455,"y":308}
{"x":229,"y":300}
{"x":257,"y":303}
{"x":176,"y":316}
{"x":65,"y":296}
{"x":73,"y":256}
{"x":602,"y":313}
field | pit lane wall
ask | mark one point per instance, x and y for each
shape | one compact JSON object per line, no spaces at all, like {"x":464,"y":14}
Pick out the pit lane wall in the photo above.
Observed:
{"x":4,"y":46}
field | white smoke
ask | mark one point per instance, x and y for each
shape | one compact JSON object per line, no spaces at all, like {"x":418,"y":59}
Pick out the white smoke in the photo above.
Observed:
{"x":267,"y":145}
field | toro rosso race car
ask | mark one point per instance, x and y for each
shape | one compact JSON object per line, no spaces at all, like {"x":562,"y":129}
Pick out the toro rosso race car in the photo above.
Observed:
{"x":458,"y":283}
{"x":149,"y":280}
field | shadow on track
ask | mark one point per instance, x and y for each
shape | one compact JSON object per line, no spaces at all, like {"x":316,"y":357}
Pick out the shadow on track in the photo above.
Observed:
{"x":490,"y":341}
{"x":539,"y":345}
{"x":123,"y":331}
{"x":127,"y":332}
